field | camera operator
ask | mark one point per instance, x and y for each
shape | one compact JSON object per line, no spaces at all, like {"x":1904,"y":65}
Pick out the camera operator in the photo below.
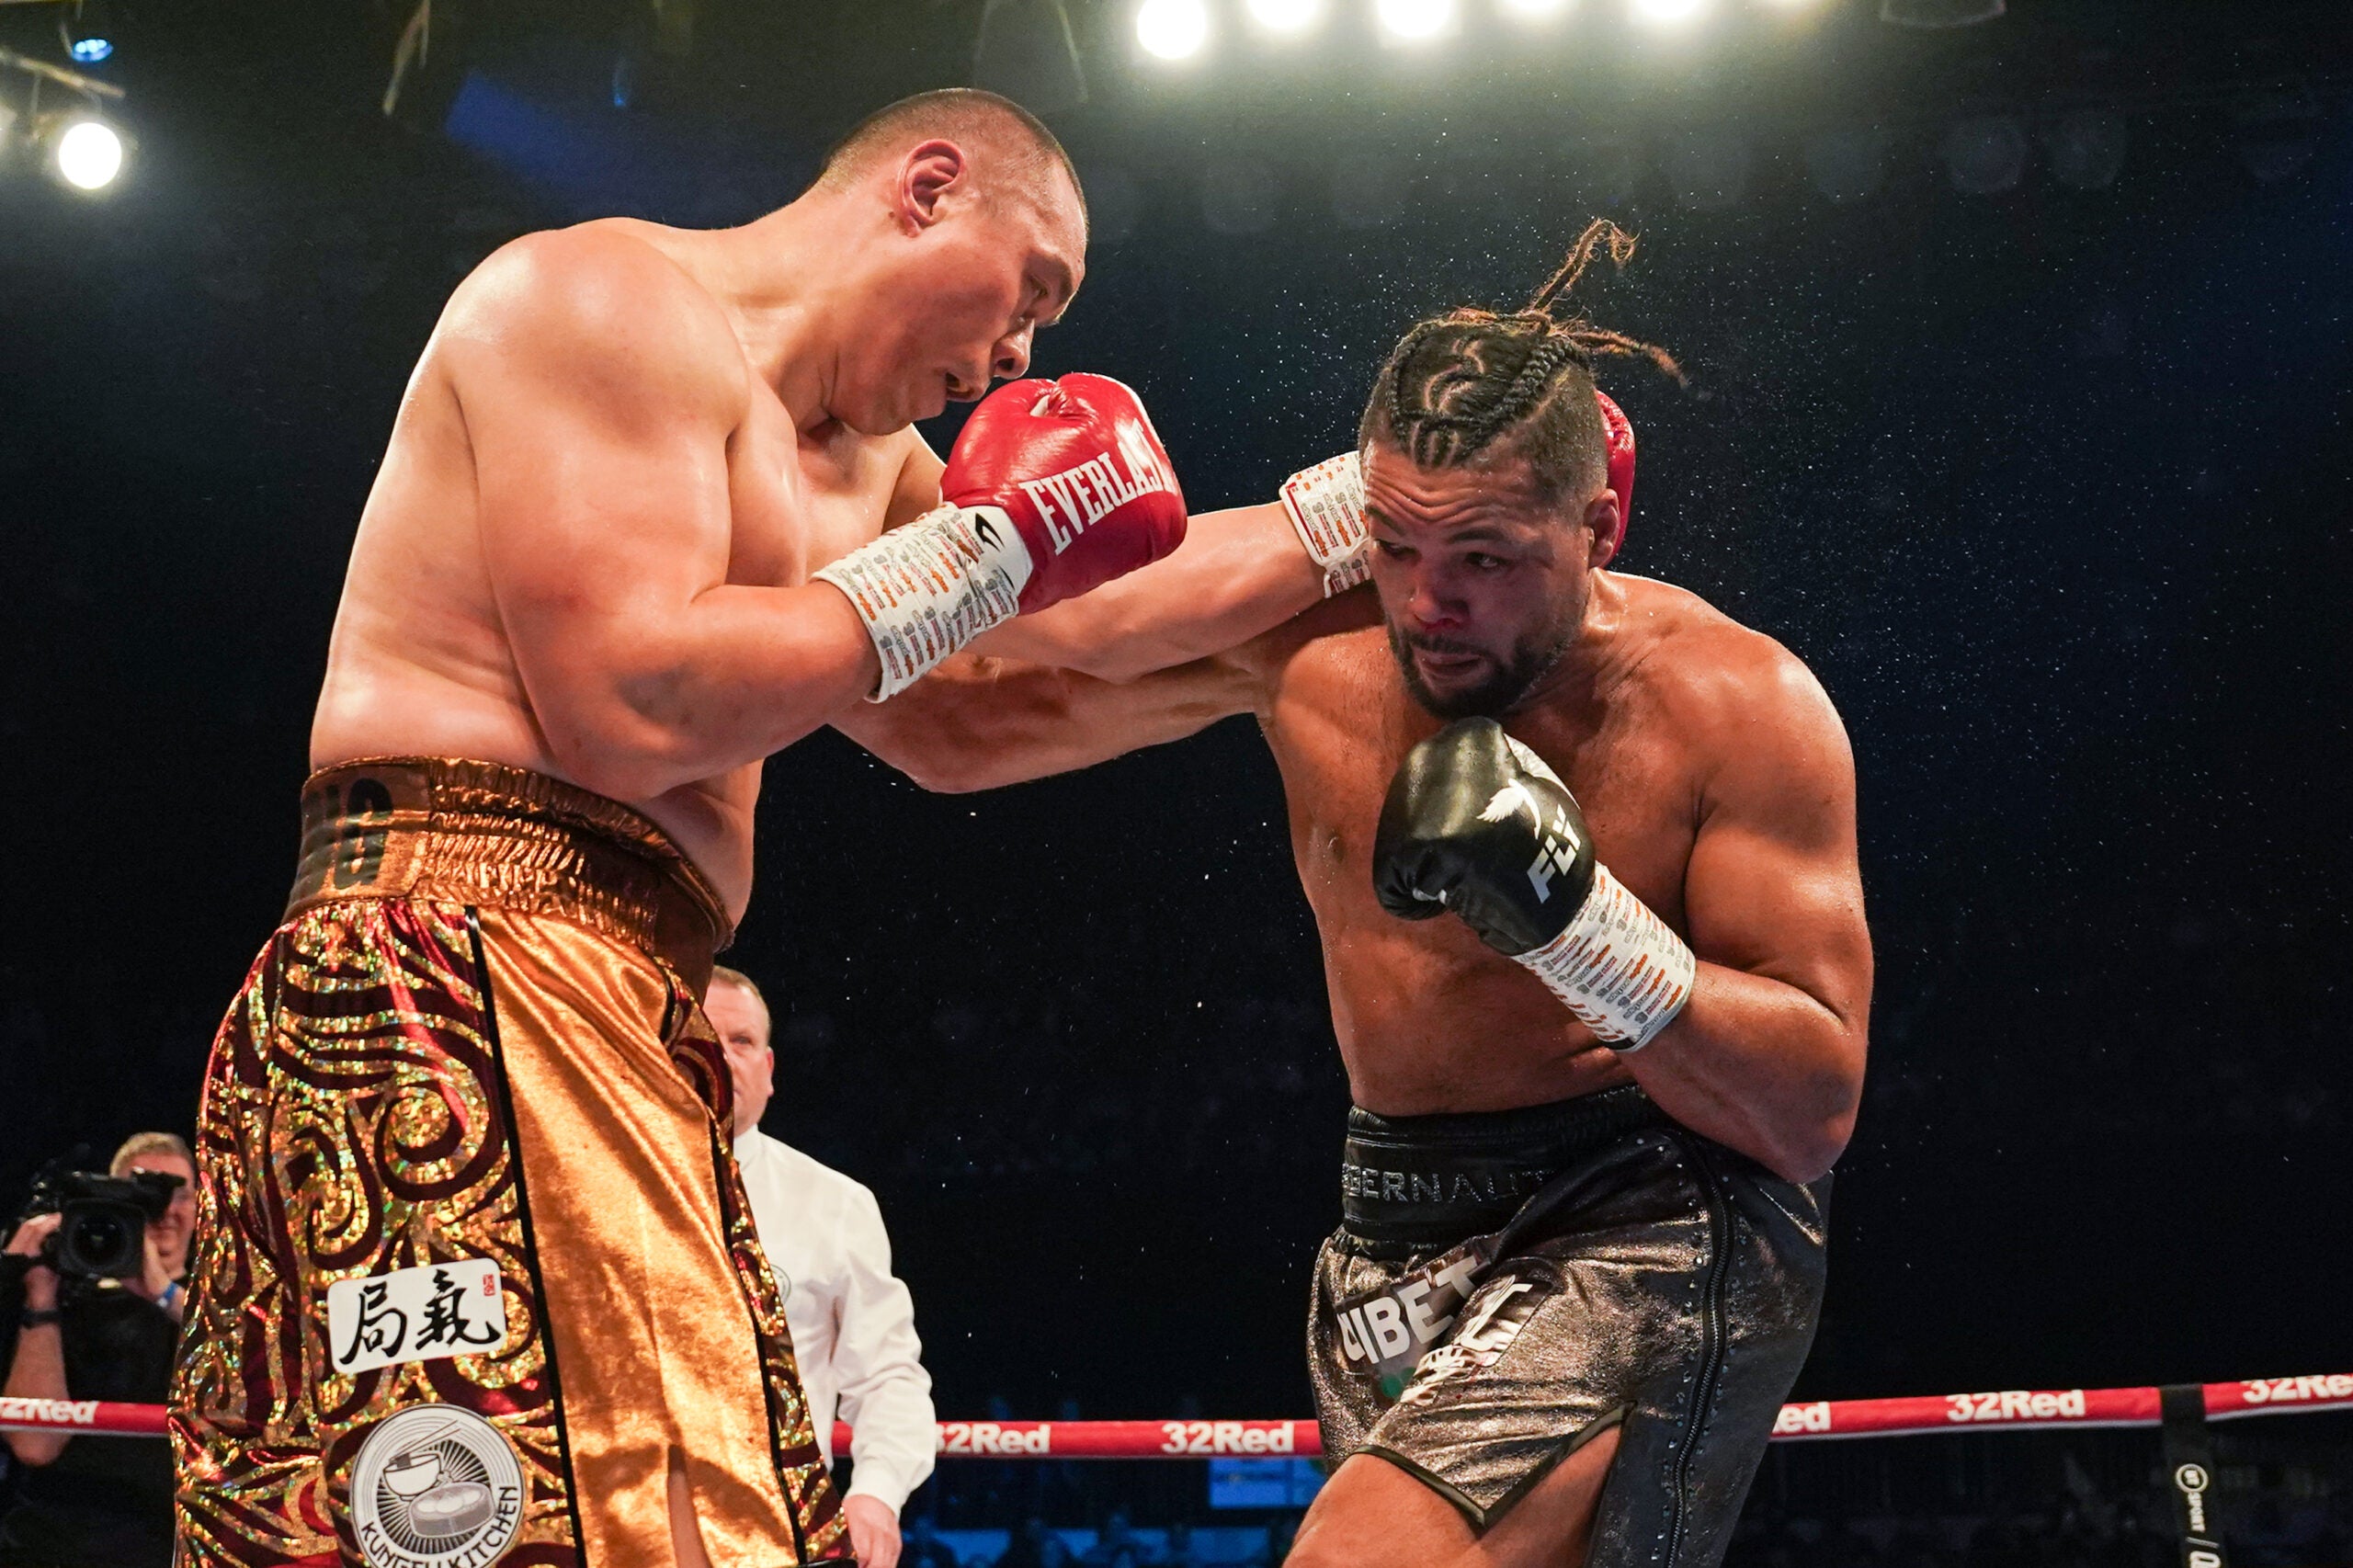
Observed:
{"x":70,"y":1331}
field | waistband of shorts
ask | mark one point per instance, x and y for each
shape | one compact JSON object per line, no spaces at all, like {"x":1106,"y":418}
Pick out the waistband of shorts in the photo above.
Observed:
{"x":449,"y":830}
{"x":1435,"y":1179}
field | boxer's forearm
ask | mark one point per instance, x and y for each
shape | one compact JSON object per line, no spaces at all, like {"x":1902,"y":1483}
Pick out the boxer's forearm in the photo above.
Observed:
{"x":634,"y":707}
{"x":1760,"y":1067}
{"x":979,"y":722}
{"x":1239,"y":573}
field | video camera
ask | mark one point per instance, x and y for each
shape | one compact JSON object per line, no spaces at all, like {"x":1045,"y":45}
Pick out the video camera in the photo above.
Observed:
{"x":101,"y":1232}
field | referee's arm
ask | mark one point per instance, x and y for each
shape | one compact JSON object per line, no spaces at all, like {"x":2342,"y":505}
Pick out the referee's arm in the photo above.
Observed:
{"x":878,"y":1365}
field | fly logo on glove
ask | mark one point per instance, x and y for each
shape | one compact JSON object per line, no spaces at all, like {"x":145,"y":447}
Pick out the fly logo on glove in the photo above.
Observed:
{"x":1557,"y":858}
{"x":1469,"y":809}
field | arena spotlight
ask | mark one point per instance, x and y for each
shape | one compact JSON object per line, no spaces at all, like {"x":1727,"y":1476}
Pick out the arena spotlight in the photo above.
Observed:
{"x":1667,"y":13}
{"x":77,"y":146}
{"x":86,"y":152}
{"x":1415,"y":21}
{"x":1286,"y":16}
{"x":1173,"y":30}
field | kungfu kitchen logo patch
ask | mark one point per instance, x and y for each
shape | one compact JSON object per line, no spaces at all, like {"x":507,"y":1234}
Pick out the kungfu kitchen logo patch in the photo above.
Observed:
{"x":435,"y":1486}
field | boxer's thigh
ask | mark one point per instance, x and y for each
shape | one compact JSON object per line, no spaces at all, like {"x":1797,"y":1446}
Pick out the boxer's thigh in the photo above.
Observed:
{"x":1701,"y":1420}
{"x":1373,"y":1515}
{"x":655,"y":1332}
{"x":363,"y":1256}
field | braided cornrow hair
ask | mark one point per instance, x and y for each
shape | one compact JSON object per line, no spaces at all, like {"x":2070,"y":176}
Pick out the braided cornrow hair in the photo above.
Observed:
{"x":1457,"y":382}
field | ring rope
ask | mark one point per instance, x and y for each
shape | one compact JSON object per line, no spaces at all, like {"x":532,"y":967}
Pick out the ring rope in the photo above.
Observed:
{"x":2009,"y":1410}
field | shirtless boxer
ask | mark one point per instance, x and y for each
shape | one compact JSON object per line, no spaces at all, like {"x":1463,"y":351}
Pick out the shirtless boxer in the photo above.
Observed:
{"x":475,"y":1278}
{"x":1603,"y":1065}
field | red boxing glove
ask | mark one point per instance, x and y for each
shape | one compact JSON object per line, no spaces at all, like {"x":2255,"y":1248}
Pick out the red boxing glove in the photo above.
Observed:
{"x":1077,"y":467}
{"x":1053,"y":488}
{"x":1617,"y":439}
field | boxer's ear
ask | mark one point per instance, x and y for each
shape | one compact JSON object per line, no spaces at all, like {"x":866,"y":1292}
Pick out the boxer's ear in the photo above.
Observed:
{"x":930,"y":171}
{"x":1608,"y":525}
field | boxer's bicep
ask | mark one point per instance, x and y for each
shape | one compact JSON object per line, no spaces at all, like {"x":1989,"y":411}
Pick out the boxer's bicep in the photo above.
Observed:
{"x":598,"y":425}
{"x":1774,"y":887}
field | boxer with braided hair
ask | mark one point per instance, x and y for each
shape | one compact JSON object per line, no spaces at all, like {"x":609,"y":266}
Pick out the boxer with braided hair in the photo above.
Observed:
{"x":1456,"y":382}
{"x":1459,"y":384}
{"x":1581,"y":851}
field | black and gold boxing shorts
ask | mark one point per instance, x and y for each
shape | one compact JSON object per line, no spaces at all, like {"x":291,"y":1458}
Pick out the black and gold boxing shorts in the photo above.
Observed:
{"x":1505,"y":1287}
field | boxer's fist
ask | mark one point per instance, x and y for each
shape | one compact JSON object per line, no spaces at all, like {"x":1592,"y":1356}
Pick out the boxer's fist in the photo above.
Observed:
{"x":1075,"y":467}
{"x":1053,"y":488}
{"x":1475,"y":824}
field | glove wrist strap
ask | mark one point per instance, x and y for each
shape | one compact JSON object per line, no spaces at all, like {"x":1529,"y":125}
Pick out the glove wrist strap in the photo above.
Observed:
{"x":927,"y":589}
{"x":1617,"y":967}
{"x":1326,"y":504}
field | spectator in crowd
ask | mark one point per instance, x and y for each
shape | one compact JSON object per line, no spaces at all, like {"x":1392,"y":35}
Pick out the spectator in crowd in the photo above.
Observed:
{"x":853,"y":1323}
{"x":98,"y":1500}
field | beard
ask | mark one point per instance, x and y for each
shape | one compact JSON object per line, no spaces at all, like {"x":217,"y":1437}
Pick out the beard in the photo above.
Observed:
{"x":1508,"y":679}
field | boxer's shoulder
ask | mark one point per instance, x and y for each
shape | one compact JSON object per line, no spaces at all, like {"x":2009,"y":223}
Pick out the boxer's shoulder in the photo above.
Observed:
{"x":1687,"y":655}
{"x":1728,"y":689}
{"x":605,"y":302}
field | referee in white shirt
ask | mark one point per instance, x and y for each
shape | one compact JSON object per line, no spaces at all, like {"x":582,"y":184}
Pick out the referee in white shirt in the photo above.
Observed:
{"x":853,"y":1323}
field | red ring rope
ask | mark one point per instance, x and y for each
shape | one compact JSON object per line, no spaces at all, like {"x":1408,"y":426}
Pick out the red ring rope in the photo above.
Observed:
{"x":1279,"y":1439}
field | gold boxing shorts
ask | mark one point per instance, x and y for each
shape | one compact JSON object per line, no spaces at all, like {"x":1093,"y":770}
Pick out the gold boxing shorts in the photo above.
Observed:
{"x":474,"y":1271}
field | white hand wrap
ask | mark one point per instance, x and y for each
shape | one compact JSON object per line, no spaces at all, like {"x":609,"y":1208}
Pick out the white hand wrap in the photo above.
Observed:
{"x":1326,"y":505}
{"x":1617,"y":967}
{"x":927,"y":589}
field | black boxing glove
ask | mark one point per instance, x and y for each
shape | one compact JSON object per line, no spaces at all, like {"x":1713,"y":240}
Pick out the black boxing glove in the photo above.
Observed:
{"x":1475,"y":824}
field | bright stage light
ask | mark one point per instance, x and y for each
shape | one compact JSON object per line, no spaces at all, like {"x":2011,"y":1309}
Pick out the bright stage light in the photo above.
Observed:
{"x":89,"y":154}
{"x":1668,"y":13}
{"x":1533,"y":10}
{"x":1286,"y":16}
{"x":1173,"y":30}
{"x":1416,"y":21}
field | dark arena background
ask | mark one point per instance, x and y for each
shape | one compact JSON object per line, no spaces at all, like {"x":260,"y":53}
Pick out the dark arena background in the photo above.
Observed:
{"x":2020,"y":355}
